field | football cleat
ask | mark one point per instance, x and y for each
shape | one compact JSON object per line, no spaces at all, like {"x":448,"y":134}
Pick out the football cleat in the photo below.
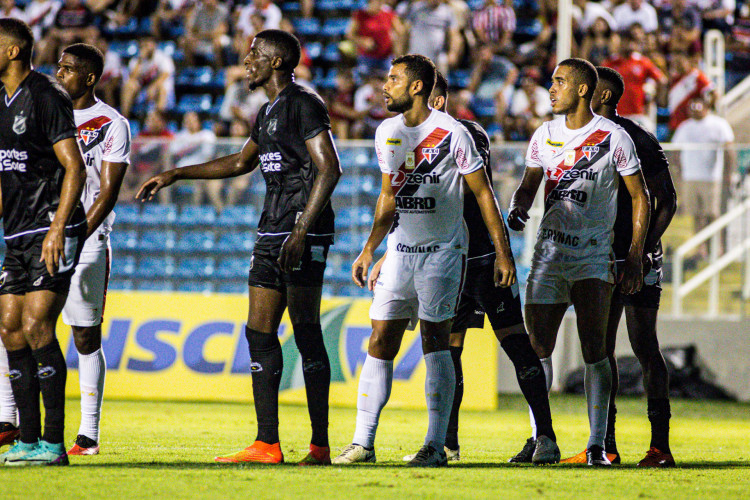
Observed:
{"x":451,"y":455}
{"x":595,"y":456}
{"x":8,"y":433}
{"x":526,"y":454}
{"x":43,"y":454}
{"x":657,"y":458}
{"x":581,"y":458}
{"x":610,"y":447}
{"x":546,"y":451}
{"x":258,"y":452}
{"x":427,"y":456}
{"x":354,"y":453}
{"x":319,"y":455}
{"x":17,"y":451}
{"x":84,"y":446}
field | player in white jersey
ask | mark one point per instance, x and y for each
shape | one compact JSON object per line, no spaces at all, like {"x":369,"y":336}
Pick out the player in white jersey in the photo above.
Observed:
{"x":423,"y":155}
{"x":104,"y":140}
{"x":579,"y":155}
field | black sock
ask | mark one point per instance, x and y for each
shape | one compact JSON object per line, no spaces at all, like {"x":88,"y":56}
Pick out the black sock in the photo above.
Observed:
{"x":266,"y":366}
{"x":530,"y":375}
{"x":316,"y":369}
{"x":451,"y":437}
{"x":659,"y":413}
{"x":610,"y":443}
{"x":52,"y":374}
{"x":26,"y":393}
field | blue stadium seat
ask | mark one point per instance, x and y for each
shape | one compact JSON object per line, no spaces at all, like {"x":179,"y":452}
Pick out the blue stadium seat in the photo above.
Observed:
{"x":197,"y":215}
{"x":459,"y":78}
{"x":314,"y":49}
{"x":124,"y":48}
{"x":239,"y":215}
{"x":475,"y":4}
{"x":135,"y":127}
{"x":331,"y":53}
{"x":195,"y":287}
{"x":353,"y":291}
{"x":156,"y":240}
{"x":216,"y":108}
{"x":307,"y":26}
{"x":195,"y":241}
{"x":199,"y":103}
{"x":201,"y":267}
{"x":158,"y":214}
{"x":128,"y":213}
{"x":290,"y":7}
{"x":334,"y":27}
{"x":47,"y":69}
{"x":127,"y":30}
{"x":354,"y":217}
{"x":155,"y":267}
{"x":483,"y":107}
{"x":231,"y":242}
{"x":168,"y":47}
{"x":120,"y":285}
{"x":124,"y":239}
{"x":517,"y":244}
{"x":326,"y":5}
{"x":145,"y":26}
{"x":349,"y":242}
{"x":338,"y":273}
{"x":528,"y":27}
{"x":160,"y":285}
{"x":124,"y":267}
{"x":233,"y":268}
{"x":235,"y":287}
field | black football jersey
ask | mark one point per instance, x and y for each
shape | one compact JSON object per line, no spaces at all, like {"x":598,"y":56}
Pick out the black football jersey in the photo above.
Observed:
{"x":480,"y":243}
{"x":653,"y":161}
{"x":280,"y":131}
{"x":38,"y":115}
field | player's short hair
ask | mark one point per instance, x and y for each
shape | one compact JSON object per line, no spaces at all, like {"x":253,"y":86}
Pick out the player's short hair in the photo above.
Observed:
{"x":286,"y":45}
{"x":419,"y":67}
{"x":89,"y":56}
{"x":21,"y":33}
{"x":583,"y":72}
{"x":614,"y":81}
{"x":441,"y":85}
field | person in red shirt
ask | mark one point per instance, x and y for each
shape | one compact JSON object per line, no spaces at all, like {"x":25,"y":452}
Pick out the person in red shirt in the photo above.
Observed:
{"x":686,"y":83}
{"x":636,"y":69}
{"x":374,"y":30}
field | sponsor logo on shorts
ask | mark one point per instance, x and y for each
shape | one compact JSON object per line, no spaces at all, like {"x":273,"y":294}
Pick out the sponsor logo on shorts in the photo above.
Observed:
{"x":417,"y":248}
{"x":256,"y":367}
{"x":575,"y":195}
{"x":46,"y":372}
{"x":392,"y":142}
{"x":560,"y":237}
{"x":415,"y":202}
{"x":38,"y":281}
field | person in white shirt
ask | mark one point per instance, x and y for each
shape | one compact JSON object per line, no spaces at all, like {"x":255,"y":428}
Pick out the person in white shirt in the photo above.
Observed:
{"x":705,"y":171}
{"x":423,"y":155}
{"x":151,"y":78}
{"x":579,"y":156}
{"x":636,"y":11}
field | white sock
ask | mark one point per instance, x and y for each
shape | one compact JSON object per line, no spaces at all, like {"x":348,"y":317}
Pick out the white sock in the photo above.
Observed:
{"x":8,"y":412}
{"x":439,"y":389}
{"x":375,"y":382}
{"x":598,"y":384}
{"x":92,"y":369}
{"x":547,"y":366}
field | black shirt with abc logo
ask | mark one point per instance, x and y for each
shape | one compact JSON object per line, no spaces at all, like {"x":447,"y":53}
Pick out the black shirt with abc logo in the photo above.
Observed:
{"x":280,"y":131}
{"x":38,"y":115}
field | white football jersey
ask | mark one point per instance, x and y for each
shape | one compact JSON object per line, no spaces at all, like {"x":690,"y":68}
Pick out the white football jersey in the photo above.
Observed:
{"x":580,"y":193}
{"x":103,"y":135}
{"x":425,"y":164}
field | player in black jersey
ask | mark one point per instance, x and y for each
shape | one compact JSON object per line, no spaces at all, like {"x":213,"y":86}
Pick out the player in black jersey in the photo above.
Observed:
{"x":480,"y":296}
{"x":42,"y":176}
{"x":641,"y":308}
{"x":291,"y":142}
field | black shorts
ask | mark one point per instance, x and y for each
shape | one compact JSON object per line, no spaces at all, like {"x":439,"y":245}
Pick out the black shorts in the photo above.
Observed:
{"x":480,"y":296}
{"x":265,"y":271}
{"x":649,"y":296}
{"x":23,"y":272}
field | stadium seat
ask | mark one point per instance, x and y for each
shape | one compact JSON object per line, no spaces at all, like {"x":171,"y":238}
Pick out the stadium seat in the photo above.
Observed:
{"x":290,"y":7}
{"x":155,"y":267}
{"x":529,"y":28}
{"x":202,"y":267}
{"x":340,"y":273}
{"x":195,"y":287}
{"x":127,"y":213}
{"x":459,"y":78}
{"x":155,"y":286}
{"x":124,"y":239}
{"x":197,"y":215}
{"x":239,"y":215}
{"x":195,"y":241}
{"x":199,"y":103}
{"x":331,"y":53}
{"x":483,"y":107}
{"x":235,"y":287}
{"x":156,"y":241}
{"x":168,"y":47}
{"x":327,"y":5}
{"x":145,"y":26}
{"x":314,"y":49}
{"x":120,"y":285}
{"x":241,"y":243}
{"x":232,"y":268}
{"x":216,"y":107}
{"x":349,"y":242}
{"x":124,"y":48}
{"x":334,"y":27}
{"x":354,"y":217}
{"x":307,"y":27}
{"x":124,"y":267}
{"x":158,"y":214}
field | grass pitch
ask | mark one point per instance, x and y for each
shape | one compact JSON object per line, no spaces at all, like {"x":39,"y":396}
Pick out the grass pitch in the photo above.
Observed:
{"x":166,"y":450}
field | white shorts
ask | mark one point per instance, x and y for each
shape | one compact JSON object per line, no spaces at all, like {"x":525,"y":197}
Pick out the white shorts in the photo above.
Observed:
{"x":425,"y":286}
{"x":88,"y":288}
{"x":550,"y":283}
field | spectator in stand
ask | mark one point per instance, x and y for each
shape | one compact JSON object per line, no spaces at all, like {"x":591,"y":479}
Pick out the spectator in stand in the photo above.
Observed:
{"x":600,"y":42}
{"x":239,"y":102}
{"x":739,"y":44}
{"x":682,"y":39}
{"x":636,"y":69}
{"x":169,"y":16}
{"x":368,"y":99}
{"x":8,"y":9}
{"x":705,"y":172}
{"x":74,"y":22}
{"x":40,"y":15}
{"x":205,"y":35}
{"x":148,"y":153}
{"x":431,"y":30}
{"x":494,"y":25}
{"x":463,"y":15}
{"x":680,"y":13}
{"x":151,"y":78}
{"x":686,"y":83}
{"x":493,"y":77}
{"x":244,"y":37}
{"x":530,"y":104}
{"x":270,"y":12}
{"x":717,"y":14}
{"x":586,"y":13}
{"x":237,"y":186}
{"x":374,"y":31}
{"x":342,"y":112}
{"x":636,"y":11}
{"x":110,"y":83}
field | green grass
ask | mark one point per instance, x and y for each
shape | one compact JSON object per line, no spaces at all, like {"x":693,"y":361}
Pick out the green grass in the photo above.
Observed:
{"x":165,"y":450}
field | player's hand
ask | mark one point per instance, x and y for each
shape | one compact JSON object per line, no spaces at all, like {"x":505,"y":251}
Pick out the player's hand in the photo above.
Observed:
{"x":517,"y":218}
{"x":373,"y":277}
{"x":505,"y":272}
{"x":152,"y":186}
{"x":53,"y":248}
{"x":632,"y":275}
{"x":360,"y":267}
{"x":291,"y":250}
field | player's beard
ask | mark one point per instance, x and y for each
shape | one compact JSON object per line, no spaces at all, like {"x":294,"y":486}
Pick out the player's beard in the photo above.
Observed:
{"x":400,"y":105}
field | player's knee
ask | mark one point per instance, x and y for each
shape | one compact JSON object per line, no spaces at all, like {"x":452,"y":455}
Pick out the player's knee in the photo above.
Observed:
{"x":382,"y":345}
{"x":593,"y":353}
{"x":261,"y":342}
{"x":543,"y":348}
{"x":309,"y":340}
{"x":87,"y":339}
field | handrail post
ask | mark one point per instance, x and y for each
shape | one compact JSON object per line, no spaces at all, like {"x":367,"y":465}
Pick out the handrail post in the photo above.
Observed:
{"x":713,"y":298}
{"x":677,"y":284}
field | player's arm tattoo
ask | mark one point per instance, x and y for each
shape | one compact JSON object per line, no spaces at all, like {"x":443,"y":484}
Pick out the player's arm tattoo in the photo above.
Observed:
{"x":662,"y":191}
{"x":523,"y":198}
{"x":112,"y":174}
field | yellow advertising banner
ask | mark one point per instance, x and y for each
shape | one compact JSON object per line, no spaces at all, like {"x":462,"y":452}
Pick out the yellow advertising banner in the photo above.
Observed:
{"x":184,"y":346}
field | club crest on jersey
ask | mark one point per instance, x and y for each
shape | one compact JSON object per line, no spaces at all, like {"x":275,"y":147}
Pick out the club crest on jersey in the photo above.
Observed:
{"x":88,"y":136}
{"x":19,"y":124}
{"x":430,"y":153}
{"x":590,"y":151}
{"x":410,"y":160}
{"x":271,"y":126}
{"x":570,"y":157}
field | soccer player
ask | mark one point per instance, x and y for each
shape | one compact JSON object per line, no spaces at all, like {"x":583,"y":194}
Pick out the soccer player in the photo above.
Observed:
{"x":502,"y":305}
{"x":641,"y":309}
{"x":579,"y":155}
{"x":292,"y":142}
{"x":423,"y":155}
{"x":104,"y":139}
{"x":42,"y":179}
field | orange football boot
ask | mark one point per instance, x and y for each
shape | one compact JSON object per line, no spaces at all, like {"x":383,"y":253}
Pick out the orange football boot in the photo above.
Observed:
{"x":657,"y":458}
{"x":319,"y":455}
{"x":258,"y":452}
{"x":581,"y":458}
{"x":8,"y":433}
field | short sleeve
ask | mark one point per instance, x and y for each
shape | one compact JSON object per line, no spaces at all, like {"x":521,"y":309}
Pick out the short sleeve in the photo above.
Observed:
{"x":379,"y":151}
{"x":312,"y":116}
{"x":623,"y":153}
{"x":255,"y":132}
{"x":653,"y":71}
{"x":55,"y":112}
{"x":727,"y":134}
{"x":465,"y":152}
{"x":117,"y":142}
{"x":533,"y":160}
